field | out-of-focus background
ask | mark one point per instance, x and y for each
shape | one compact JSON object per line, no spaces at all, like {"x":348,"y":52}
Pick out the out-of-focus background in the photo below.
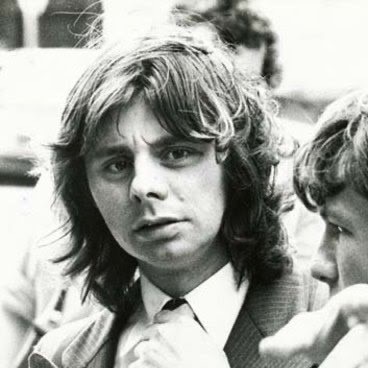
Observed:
{"x":42,"y":51}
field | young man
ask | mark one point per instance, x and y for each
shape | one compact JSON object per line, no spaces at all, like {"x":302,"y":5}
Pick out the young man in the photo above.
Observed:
{"x":331,"y":177}
{"x":165,"y":165}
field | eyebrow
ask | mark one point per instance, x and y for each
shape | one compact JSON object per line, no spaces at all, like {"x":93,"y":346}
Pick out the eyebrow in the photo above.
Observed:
{"x":122,"y":149}
{"x":333,"y":213}
{"x":168,"y":140}
{"x":111,"y":150}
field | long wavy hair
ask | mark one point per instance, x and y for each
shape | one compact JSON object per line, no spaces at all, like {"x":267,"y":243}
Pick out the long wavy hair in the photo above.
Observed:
{"x":196,"y":92}
{"x":338,"y":154}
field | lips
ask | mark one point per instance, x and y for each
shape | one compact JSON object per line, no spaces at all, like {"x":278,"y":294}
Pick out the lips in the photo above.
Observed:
{"x":158,"y":229}
{"x":147,"y":224}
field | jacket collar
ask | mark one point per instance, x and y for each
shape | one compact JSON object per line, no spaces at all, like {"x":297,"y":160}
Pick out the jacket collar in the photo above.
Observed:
{"x":95,"y":345}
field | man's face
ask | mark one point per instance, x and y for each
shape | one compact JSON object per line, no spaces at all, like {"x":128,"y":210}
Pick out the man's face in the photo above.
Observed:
{"x":342,"y":258}
{"x":162,"y":197}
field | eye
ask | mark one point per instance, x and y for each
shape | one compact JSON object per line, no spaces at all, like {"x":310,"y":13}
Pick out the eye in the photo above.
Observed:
{"x":177,"y":154}
{"x":338,"y":230}
{"x":118,"y":166}
{"x":182,"y":155}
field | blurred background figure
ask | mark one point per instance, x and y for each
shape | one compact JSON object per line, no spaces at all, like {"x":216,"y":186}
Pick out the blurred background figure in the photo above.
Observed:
{"x":247,"y":32}
{"x":33,"y":81}
{"x":46,"y":23}
{"x":35,"y":298}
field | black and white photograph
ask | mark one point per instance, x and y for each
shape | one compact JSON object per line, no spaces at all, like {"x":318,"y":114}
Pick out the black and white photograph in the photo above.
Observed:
{"x":183,"y":184}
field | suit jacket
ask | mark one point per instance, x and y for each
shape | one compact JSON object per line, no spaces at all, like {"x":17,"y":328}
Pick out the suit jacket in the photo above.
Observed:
{"x":92,"y":343}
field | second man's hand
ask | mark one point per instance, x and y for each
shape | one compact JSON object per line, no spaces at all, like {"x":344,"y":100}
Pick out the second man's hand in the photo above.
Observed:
{"x":326,"y":334}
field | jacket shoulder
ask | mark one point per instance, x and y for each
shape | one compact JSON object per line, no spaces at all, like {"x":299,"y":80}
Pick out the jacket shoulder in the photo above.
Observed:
{"x":305,"y":293}
{"x":293,"y":293}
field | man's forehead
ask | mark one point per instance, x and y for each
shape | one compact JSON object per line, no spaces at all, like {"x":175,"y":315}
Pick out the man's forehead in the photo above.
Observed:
{"x":346,"y":205}
{"x":118,"y":140}
{"x":120,"y":121}
{"x":112,"y":140}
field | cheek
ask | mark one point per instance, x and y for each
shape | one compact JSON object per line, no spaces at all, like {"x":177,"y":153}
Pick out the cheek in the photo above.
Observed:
{"x":110,"y":206}
{"x":360,"y":267}
{"x":353,"y":261}
{"x":210,"y":196}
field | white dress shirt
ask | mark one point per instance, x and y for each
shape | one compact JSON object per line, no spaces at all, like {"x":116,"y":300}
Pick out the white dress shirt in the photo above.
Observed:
{"x":216,"y":303}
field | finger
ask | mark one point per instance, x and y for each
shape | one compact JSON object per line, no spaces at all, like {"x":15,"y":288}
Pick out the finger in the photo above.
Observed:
{"x":351,"y":351}
{"x":142,"y":363}
{"x":133,"y":354}
{"x":165,"y":317}
{"x":294,"y":339}
{"x":159,"y":335}
{"x":148,"y":353}
{"x":152,"y":332}
{"x":142,"y":348}
{"x":357,"y":313}
{"x":353,"y":302}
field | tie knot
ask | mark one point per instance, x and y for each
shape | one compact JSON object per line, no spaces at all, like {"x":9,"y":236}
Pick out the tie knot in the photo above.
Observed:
{"x":172,"y":304}
{"x":186,"y":310}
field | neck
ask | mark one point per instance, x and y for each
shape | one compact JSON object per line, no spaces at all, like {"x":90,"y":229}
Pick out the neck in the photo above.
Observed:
{"x":178,"y":282}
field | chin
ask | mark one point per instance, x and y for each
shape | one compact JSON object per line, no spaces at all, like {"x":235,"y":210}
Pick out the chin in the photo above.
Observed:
{"x":174,"y":258}
{"x":335,"y":290}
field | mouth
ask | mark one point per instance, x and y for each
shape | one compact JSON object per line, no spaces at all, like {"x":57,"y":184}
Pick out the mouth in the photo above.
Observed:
{"x":154,"y":224}
{"x":157,"y":229}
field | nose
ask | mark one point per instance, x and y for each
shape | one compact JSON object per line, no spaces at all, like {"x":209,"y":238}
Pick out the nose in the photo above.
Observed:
{"x":148,"y":183}
{"x":324,"y":266}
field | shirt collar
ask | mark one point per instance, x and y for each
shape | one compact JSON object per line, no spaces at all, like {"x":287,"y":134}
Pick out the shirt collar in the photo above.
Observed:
{"x":153,"y":297}
{"x":216,"y":302}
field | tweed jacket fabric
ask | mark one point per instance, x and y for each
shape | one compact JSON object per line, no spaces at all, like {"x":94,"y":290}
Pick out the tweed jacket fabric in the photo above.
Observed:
{"x":92,"y":343}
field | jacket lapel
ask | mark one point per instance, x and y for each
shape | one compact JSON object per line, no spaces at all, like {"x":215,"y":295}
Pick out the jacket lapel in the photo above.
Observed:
{"x":95,"y":346}
{"x":39,"y":361}
{"x":242,"y":346}
{"x":265,"y":310}
{"x":89,"y":342}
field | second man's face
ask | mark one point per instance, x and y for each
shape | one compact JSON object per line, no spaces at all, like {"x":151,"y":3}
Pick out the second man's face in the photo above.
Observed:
{"x":342,"y":258}
{"x":162,"y":197}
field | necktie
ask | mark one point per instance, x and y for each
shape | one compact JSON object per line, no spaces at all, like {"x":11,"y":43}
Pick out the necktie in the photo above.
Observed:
{"x":173,"y":304}
{"x":182,"y":306}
